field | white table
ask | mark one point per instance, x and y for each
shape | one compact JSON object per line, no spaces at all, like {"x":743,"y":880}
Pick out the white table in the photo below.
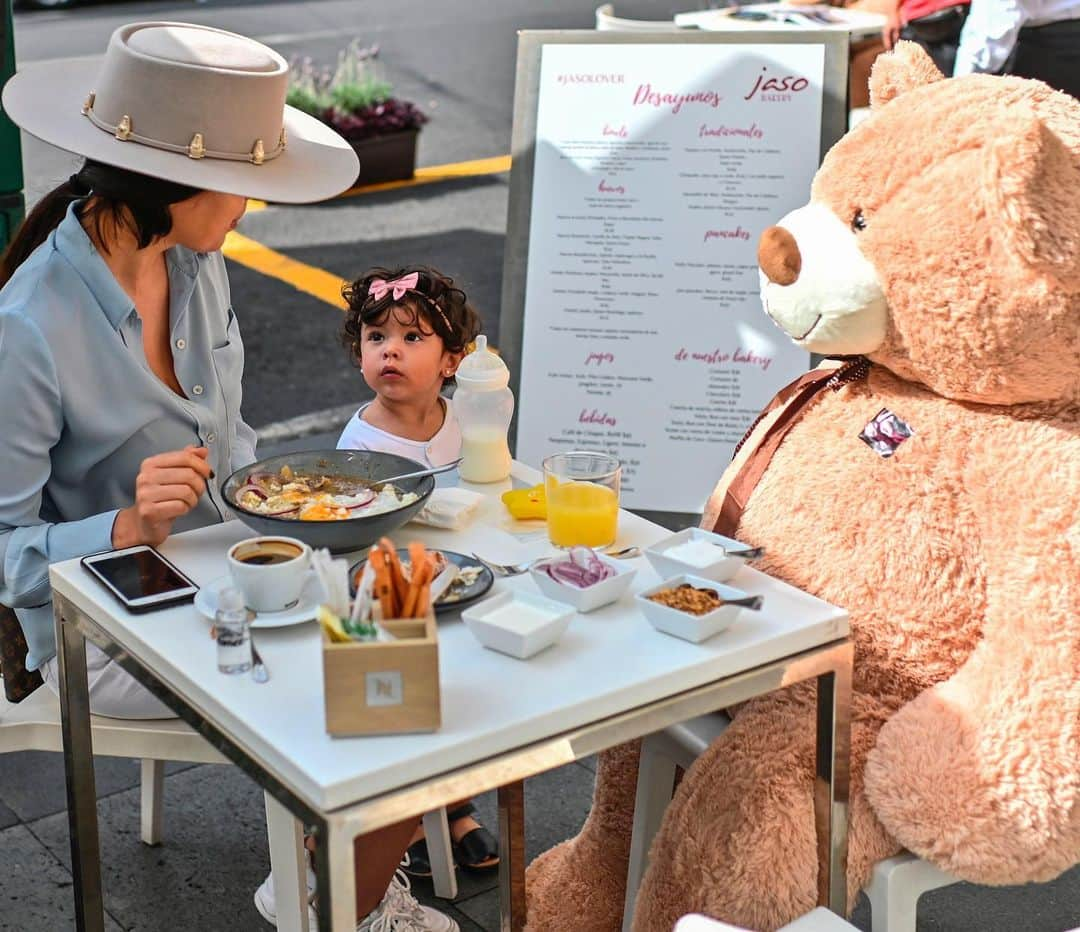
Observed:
{"x":611,"y":678}
{"x":860,"y":24}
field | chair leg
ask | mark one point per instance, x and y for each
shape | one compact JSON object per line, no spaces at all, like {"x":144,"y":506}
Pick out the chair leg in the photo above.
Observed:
{"x":288,"y":863}
{"x":895,"y":887}
{"x":152,"y":789}
{"x":655,"y":783}
{"x":437,"y":833}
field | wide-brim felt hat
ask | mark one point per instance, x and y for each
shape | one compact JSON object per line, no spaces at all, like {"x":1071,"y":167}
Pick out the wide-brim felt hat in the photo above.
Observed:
{"x":191,"y":104}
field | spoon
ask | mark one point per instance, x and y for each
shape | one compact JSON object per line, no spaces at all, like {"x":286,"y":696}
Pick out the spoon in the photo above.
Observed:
{"x":433,"y":471}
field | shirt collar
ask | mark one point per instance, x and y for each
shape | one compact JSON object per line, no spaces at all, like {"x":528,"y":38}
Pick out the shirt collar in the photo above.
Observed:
{"x":74,"y":245}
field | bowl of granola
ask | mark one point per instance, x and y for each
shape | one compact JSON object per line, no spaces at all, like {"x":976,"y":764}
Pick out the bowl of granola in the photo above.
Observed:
{"x":328,"y":498}
{"x":693,"y":608}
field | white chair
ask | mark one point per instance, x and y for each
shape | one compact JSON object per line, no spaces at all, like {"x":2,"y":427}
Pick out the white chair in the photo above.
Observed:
{"x":607,"y":21}
{"x":820,"y":920}
{"x":895,"y":884}
{"x":34,"y":725}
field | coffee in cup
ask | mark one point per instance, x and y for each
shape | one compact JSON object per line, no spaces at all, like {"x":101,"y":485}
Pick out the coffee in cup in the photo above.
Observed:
{"x":270,"y":571}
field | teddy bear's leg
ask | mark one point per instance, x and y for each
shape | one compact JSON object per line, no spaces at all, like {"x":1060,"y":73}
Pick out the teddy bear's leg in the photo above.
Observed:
{"x":581,"y":883}
{"x":738,"y":839}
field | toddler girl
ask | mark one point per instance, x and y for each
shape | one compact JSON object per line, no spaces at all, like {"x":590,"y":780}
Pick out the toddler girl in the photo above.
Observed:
{"x":408,"y":329}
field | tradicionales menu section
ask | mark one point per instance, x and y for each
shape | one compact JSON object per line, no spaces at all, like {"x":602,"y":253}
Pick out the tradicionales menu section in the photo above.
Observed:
{"x":656,"y":169}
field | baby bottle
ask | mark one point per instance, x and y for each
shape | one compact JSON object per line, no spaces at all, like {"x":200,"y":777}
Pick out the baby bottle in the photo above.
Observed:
{"x":483,"y":405}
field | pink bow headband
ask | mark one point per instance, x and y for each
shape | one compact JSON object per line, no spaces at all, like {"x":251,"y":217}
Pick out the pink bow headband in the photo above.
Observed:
{"x":380,"y":288}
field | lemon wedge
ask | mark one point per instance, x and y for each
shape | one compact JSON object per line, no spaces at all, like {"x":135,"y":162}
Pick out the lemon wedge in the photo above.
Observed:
{"x":331,"y":624}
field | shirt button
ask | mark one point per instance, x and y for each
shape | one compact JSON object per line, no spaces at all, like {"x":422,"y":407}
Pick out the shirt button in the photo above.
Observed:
{"x":210,"y":438}
{"x":196,"y":389}
{"x":181,"y":343}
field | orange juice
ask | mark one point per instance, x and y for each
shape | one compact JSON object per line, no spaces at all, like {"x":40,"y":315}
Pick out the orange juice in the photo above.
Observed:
{"x":581,"y":513}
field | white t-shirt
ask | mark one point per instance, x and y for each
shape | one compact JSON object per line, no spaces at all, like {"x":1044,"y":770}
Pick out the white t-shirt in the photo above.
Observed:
{"x":993,"y":26}
{"x":444,"y":447}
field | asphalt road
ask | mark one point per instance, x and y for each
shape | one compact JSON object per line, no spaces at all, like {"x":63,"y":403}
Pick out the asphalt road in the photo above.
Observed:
{"x":455,"y":59}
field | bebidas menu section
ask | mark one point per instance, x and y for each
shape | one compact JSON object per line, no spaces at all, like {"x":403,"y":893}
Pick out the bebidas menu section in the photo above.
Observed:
{"x":657,"y":167}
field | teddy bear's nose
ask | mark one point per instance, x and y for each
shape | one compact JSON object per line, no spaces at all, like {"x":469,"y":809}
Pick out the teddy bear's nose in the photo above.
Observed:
{"x":778,"y":256}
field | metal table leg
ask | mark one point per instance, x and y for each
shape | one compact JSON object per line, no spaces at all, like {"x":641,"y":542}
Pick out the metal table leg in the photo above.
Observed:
{"x":79,"y":770}
{"x":832,"y":778}
{"x":512,"y":857}
{"x":335,"y":878}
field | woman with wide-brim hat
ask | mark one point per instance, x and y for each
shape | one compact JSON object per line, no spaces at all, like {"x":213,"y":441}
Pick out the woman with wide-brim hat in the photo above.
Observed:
{"x":120,"y":356}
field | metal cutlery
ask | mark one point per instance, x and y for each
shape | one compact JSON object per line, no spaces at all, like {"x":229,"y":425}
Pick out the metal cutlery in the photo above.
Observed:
{"x":516,"y":569}
{"x":259,"y":673}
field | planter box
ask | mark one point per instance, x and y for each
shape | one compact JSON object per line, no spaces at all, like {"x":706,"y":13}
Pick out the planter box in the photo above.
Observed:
{"x":386,"y":158}
{"x":381,"y":687}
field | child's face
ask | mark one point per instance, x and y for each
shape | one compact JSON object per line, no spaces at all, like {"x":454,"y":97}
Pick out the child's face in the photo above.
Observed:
{"x":402,"y":359}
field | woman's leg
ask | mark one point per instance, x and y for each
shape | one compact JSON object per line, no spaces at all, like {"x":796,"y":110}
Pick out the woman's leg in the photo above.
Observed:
{"x":114,"y":693}
{"x":377,"y":856}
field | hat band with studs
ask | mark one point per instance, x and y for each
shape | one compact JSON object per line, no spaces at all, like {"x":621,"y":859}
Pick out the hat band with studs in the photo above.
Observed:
{"x":196,"y":149}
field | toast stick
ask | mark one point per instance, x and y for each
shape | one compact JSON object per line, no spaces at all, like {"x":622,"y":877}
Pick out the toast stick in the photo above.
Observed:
{"x":397,"y":575}
{"x":422,"y":566}
{"x":383,"y":588}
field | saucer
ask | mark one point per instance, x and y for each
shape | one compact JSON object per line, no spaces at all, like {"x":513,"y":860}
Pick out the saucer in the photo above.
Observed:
{"x":304,"y":610}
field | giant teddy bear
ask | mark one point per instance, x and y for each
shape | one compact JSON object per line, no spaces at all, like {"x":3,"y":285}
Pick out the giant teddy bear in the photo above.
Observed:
{"x":933,"y":493}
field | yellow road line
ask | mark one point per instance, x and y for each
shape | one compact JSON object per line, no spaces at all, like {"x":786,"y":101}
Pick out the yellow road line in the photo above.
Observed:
{"x":494,"y":165}
{"x":307,"y":278}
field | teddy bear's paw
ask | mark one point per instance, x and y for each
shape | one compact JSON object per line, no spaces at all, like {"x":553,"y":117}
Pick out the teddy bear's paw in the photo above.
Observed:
{"x":958,"y":795}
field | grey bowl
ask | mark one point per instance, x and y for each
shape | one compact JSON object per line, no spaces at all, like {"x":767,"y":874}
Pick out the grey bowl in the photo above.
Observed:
{"x":337,"y":536}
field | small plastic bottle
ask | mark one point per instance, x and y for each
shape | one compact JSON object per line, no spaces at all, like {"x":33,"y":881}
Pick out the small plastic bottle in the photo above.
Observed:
{"x":483,"y":406}
{"x":232,"y":621}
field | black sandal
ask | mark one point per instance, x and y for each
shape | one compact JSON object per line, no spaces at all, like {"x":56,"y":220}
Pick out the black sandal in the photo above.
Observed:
{"x":478,"y":849}
{"x":419,"y":860}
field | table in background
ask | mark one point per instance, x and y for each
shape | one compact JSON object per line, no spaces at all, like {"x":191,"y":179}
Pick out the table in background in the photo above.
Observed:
{"x":610,"y":679}
{"x":860,"y":24}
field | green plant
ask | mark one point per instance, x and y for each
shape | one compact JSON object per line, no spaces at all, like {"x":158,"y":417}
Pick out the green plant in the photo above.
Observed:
{"x":353,"y":98}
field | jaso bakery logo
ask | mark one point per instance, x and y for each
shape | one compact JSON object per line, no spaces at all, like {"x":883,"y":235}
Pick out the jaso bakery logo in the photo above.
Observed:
{"x":776,"y":88}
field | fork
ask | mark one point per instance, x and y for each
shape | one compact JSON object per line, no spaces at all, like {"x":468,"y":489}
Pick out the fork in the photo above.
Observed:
{"x":259,"y":673}
{"x":516,"y":569}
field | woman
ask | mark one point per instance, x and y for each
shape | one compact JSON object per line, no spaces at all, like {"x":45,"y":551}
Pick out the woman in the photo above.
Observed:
{"x":120,"y":358}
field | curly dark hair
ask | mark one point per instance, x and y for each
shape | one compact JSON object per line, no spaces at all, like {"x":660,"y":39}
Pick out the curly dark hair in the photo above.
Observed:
{"x":436,"y":305}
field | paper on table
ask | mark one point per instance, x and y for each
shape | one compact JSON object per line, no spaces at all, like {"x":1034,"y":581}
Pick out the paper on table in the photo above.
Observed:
{"x":450,"y":508}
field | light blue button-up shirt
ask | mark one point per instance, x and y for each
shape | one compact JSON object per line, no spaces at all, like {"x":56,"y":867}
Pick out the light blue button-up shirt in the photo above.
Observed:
{"x":80,"y":408}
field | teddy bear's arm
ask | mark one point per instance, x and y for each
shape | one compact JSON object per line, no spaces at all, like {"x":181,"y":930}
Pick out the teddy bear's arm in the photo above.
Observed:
{"x":981,"y":773}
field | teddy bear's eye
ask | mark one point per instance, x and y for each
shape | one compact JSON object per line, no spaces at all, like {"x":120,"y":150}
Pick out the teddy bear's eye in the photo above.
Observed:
{"x":858,"y":222}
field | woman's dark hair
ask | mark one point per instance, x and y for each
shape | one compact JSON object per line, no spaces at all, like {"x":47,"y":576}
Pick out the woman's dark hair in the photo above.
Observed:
{"x":436,"y":305}
{"x":121,"y":198}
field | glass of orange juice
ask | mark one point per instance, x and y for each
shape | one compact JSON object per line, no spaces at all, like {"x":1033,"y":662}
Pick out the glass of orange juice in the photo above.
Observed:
{"x":582,"y":491}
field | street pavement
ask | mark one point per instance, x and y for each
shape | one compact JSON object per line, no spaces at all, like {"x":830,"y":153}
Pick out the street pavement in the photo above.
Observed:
{"x":455,"y":58}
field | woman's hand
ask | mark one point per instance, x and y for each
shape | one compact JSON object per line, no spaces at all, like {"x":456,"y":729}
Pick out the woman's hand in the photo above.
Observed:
{"x":168,"y":485}
{"x":890,"y":35}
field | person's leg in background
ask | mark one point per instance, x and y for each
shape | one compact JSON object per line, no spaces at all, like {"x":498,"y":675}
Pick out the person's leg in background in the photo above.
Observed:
{"x":862,"y":55}
{"x":1049,"y":53}
{"x":940,"y":40}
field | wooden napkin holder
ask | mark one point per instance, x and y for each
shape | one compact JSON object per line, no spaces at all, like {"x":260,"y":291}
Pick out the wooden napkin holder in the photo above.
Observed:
{"x":384,"y":687}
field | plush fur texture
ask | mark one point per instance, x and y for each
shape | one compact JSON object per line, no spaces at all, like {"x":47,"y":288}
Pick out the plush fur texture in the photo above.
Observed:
{"x":958,"y":557}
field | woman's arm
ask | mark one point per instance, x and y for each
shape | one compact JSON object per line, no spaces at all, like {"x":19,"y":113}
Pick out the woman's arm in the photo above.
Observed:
{"x":31,"y":422}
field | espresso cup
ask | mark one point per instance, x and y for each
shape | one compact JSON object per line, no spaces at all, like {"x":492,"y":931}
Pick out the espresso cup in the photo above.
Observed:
{"x":270,"y":571}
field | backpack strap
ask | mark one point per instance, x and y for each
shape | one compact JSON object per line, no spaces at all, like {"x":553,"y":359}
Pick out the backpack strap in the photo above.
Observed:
{"x":794,"y":399}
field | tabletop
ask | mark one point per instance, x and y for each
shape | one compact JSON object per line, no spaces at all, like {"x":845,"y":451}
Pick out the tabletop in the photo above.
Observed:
{"x":608,"y":662}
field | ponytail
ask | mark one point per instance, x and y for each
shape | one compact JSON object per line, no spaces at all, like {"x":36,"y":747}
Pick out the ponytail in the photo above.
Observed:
{"x":126,"y":198}
{"x":35,"y":229}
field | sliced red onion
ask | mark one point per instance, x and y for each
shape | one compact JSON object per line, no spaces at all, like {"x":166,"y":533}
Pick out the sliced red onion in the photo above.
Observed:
{"x":582,"y":569}
{"x":371,"y":496}
{"x":251,"y":487}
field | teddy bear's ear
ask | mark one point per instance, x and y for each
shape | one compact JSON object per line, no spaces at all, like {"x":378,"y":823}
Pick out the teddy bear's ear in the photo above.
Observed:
{"x":1031,"y":182}
{"x":906,"y":67}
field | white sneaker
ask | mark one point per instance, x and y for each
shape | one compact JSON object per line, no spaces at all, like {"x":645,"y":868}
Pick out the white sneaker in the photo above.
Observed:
{"x":266,"y":904}
{"x":400,"y":912}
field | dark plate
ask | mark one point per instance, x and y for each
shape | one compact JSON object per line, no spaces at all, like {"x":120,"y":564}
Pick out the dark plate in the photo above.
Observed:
{"x":466,"y":596}
{"x":338,"y":536}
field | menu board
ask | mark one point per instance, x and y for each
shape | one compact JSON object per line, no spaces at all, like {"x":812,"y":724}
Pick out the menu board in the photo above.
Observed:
{"x":655,"y":169}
